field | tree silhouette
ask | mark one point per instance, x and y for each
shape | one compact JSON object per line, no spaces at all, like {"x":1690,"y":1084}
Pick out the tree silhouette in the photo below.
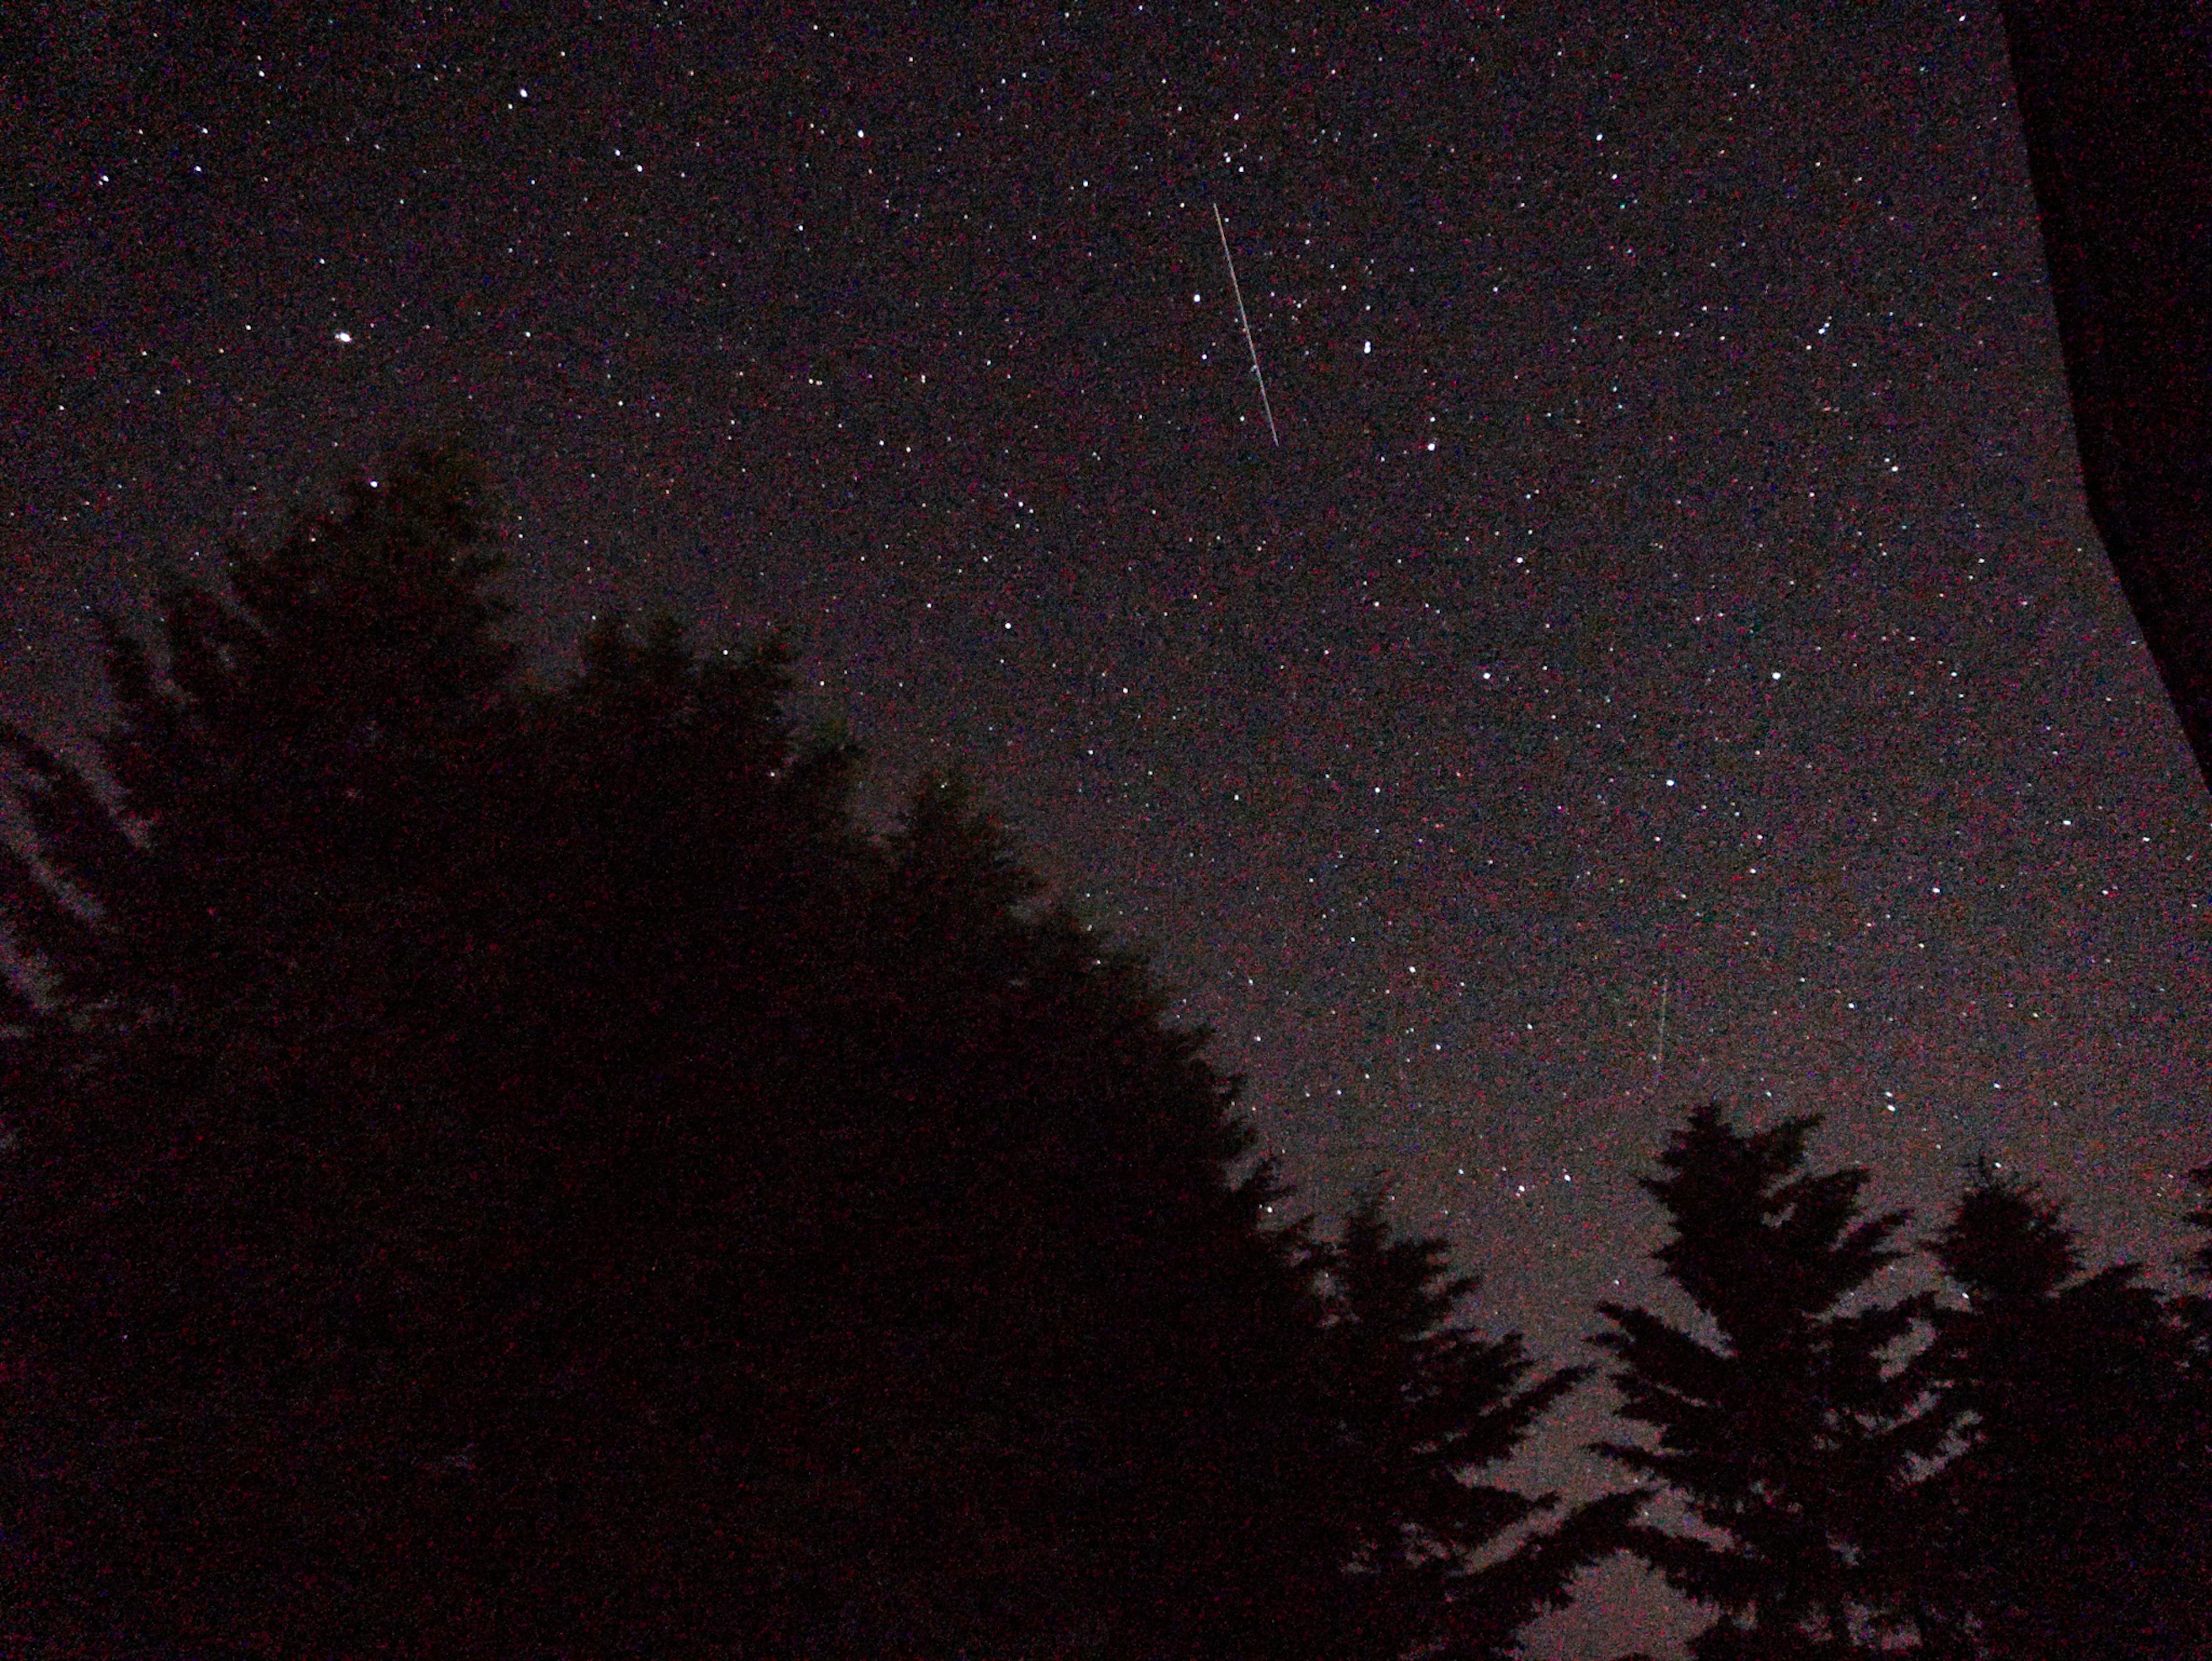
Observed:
{"x":2196,"y":1304}
{"x":1423,"y":1404}
{"x":226,"y":1211}
{"x":2069,"y":1519}
{"x":1782,"y":1431}
{"x":496,"y":1170}
{"x":2194,"y":1308}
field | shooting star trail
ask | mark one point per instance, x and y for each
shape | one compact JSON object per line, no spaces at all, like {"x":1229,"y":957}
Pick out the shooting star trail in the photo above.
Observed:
{"x":1266,"y":408}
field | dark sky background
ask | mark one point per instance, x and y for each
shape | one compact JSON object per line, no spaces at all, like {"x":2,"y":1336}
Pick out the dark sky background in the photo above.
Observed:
{"x":1671,"y":593}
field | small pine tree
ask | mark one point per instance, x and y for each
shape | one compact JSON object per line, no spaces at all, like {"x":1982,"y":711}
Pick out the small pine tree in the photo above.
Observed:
{"x":2196,"y":1306}
{"x":1782,"y":1434}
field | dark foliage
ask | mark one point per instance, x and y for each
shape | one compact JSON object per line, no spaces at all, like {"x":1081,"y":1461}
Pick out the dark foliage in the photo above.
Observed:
{"x":496,"y":1172}
{"x":1422,"y":1406}
{"x":2196,"y":1306}
{"x":2030,"y":1480}
{"x":1782,"y":1434}
{"x":2070,"y":1517}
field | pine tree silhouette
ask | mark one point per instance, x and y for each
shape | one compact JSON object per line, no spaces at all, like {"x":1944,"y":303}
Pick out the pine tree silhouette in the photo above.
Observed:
{"x":1423,"y":1405}
{"x":1782,"y":1431}
{"x":2069,"y":1515}
{"x":2196,"y":1306}
{"x":232,"y":1210}
{"x":495,"y":1170}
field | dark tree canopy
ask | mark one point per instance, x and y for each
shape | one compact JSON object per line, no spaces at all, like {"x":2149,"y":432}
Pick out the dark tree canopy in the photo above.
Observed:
{"x":500,"y":1170}
{"x":1783,"y":1434}
{"x":1422,"y":1406}
{"x":2023,"y":1470}
{"x":491,"y":1169}
{"x":2070,"y":1517}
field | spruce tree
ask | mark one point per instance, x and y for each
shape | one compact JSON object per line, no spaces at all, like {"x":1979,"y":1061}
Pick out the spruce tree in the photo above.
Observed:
{"x":235,"y":1221}
{"x":2194,"y":1307}
{"x":2197,"y":1304}
{"x":503,"y":1170}
{"x":1422,"y":1406}
{"x":2069,"y":1515}
{"x":1777,"y":1424}
{"x":1026,"y":1236}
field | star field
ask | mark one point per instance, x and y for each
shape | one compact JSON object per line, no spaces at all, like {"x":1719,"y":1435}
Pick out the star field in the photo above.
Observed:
{"x":1671,"y":596}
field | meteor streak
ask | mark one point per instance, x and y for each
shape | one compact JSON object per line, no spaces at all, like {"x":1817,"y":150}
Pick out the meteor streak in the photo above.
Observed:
{"x":1230,"y":260}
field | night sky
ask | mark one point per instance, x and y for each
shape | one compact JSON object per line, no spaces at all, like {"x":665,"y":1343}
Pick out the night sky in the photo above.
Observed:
{"x":1671,"y":594}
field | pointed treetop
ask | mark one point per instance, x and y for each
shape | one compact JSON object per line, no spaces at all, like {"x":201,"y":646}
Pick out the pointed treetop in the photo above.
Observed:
{"x":386,"y":597}
{"x":2200,"y":1259}
{"x":1754,"y":1240}
{"x":2006,"y":1240}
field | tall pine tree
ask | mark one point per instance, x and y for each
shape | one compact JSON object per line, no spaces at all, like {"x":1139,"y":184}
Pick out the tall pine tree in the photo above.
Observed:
{"x":2068,"y":1517}
{"x":237,"y":1215}
{"x":2197,"y":1303}
{"x":502,"y":1170}
{"x":1777,"y":1424}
